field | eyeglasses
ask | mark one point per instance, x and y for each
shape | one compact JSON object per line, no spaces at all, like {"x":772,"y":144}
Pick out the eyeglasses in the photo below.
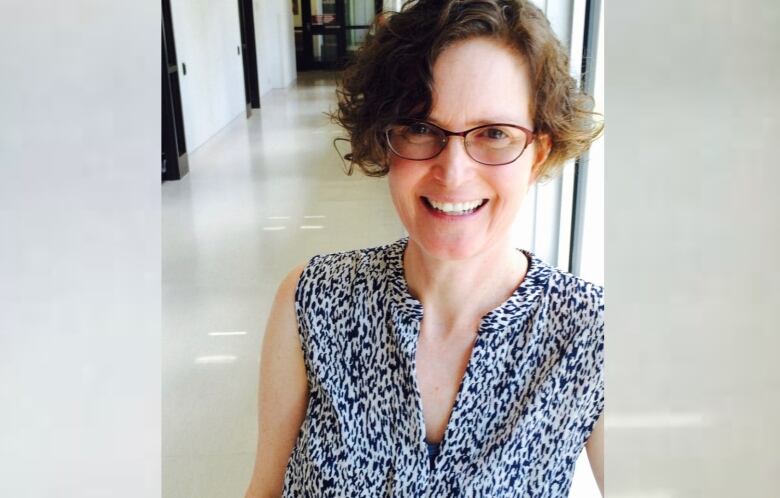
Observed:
{"x":492,"y":144}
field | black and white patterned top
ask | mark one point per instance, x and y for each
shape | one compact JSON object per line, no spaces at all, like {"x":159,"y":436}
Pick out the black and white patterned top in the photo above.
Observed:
{"x":529,"y":398}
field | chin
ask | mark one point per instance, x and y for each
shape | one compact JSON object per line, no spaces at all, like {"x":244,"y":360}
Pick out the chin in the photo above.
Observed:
{"x":448,"y":248}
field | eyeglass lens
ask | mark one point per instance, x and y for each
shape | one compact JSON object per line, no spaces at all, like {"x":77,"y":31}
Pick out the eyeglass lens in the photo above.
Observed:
{"x":490,"y":144}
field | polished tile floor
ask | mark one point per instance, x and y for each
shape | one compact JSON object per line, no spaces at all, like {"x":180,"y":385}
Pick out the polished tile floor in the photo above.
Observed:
{"x":262,"y":195}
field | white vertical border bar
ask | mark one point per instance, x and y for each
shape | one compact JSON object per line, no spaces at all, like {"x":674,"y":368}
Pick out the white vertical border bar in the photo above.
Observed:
{"x":80,"y":265}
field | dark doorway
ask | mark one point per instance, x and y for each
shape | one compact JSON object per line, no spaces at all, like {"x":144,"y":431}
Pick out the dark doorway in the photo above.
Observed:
{"x":174,"y":147}
{"x":328,"y":32}
{"x":246,"y":19}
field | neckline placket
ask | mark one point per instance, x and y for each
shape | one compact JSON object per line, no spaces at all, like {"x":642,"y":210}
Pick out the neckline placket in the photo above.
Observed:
{"x":408,"y":314}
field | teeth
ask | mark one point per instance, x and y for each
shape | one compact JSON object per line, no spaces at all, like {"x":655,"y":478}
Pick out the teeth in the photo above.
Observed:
{"x":456,"y":208}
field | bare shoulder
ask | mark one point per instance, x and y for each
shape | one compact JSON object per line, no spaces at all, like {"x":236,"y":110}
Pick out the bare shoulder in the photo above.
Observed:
{"x":286,"y":291}
{"x":282,"y":392}
{"x":282,"y":320}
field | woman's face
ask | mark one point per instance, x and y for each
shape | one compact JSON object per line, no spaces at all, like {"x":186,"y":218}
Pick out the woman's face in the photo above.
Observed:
{"x":474,"y":82}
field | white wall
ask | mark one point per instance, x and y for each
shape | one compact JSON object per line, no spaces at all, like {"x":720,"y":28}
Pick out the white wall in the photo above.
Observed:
{"x":207,"y":33}
{"x":275,"y":44}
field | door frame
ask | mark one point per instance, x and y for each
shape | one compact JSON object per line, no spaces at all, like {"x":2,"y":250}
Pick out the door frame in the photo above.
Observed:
{"x":175,"y":163}
{"x":246,"y":21}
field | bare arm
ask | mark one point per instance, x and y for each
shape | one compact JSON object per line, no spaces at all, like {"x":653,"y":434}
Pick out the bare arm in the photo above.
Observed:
{"x":283,"y":395}
{"x":595,"y":449}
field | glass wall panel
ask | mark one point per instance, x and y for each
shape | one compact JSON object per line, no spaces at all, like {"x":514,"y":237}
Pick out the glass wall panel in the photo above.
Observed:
{"x":359,"y":12}
{"x":325,"y":48}
{"x":355,"y":38}
{"x":323,"y":12}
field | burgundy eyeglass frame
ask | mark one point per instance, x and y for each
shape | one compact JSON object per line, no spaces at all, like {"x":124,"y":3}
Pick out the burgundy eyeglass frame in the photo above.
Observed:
{"x":530,"y":136}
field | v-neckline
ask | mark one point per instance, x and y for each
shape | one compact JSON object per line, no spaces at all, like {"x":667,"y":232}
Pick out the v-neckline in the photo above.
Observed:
{"x":495,"y":320}
{"x":458,"y":394}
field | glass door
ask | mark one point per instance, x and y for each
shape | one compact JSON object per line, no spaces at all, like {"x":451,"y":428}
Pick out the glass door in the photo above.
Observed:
{"x":328,"y":31}
{"x":359,"y":16}
{"x":322,"y":26}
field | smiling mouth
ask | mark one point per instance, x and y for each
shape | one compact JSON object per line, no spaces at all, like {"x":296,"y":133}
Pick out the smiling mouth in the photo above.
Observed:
{"x":456,"y":208}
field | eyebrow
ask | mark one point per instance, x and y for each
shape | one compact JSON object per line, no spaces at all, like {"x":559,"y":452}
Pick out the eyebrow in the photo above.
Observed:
{"x":482,"y":122}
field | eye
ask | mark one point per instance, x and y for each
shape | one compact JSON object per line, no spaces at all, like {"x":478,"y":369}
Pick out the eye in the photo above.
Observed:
{"x":420,"y":129}
{"x":494,"y":134}
{"x":419,"y":134}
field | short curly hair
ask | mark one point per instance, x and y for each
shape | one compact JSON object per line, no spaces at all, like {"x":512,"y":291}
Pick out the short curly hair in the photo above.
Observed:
{"x":391,"y":76}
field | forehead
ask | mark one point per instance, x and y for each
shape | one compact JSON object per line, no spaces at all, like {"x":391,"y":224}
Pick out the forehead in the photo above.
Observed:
{"x":480,"y":81}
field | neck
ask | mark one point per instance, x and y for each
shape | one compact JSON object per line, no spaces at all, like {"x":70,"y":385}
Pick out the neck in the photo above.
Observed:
{"x":457,"y":294}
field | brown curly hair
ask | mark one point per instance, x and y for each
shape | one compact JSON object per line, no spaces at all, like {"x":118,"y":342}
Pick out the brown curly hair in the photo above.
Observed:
{"x":391,"y":76}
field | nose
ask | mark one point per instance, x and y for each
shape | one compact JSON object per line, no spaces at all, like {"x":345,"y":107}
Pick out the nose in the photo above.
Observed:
{"x":453,"y":165}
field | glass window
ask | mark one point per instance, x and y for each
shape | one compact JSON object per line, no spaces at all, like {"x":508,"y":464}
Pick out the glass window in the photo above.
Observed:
{"x":592,"y":239}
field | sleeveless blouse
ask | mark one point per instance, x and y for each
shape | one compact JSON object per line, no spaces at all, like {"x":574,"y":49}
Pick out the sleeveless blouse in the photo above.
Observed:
{"x":527,"y":403}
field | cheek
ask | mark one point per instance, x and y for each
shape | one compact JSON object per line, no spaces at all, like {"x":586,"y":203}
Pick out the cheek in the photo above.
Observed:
{"x":513,"y":185}
{"x":395,"y":183}
{"x":401,"y":178}
{"x":400,"y":186}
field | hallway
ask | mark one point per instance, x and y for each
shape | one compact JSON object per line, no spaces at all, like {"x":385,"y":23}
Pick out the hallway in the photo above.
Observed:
{"x":262,"y":195}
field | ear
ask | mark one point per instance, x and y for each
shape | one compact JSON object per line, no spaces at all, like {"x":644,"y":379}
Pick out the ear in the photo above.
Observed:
{"x":542,"y":148}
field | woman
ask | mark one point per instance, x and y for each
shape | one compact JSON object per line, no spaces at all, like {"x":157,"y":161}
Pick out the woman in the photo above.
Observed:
{"x":448,"y":363}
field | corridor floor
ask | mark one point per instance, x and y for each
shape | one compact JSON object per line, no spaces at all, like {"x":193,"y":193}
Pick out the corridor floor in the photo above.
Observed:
{"x":262,"y":196}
